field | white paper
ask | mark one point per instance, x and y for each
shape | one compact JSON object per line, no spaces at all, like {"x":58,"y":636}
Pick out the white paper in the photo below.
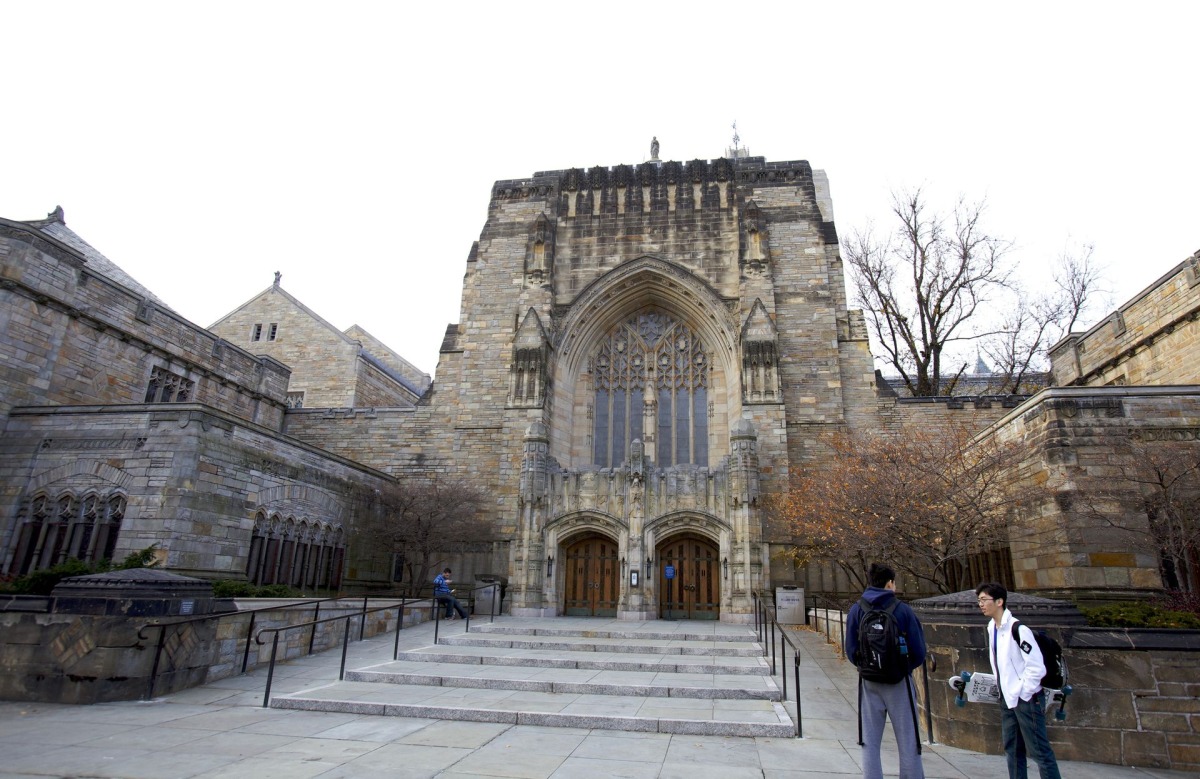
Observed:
{"x":982,"y":688}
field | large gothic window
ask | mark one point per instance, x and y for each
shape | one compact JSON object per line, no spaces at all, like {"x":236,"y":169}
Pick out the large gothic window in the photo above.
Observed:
{"x":651,"y":370}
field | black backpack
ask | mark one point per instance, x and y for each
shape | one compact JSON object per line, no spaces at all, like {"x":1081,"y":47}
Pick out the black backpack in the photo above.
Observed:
{"x":882,"y":654}
{"x":1052,"y":655}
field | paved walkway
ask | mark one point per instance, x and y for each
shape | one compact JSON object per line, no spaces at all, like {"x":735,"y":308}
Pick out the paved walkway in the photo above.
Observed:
{"x":221,"y":730}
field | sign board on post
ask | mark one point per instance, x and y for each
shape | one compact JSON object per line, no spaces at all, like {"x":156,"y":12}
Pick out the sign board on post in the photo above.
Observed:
{"x":789,"y":605}
{"x":669,"y":571}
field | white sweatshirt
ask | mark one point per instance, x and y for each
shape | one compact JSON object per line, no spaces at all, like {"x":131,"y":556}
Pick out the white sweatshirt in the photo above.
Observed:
{"x":1018,"y":668}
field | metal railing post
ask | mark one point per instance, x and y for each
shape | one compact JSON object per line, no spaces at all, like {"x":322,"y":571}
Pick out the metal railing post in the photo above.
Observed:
{"x":437,"y":618}
{"x":316,"y":616}
{"x":783,"y":661}
{"x":799,"y":718}
{"x":928,"y":708}
{"x":362,"y":624}
{"x":271,"y":670}
{"x":345,"y":646}
{"x":249,"y":636}
{"x":399,"y":627}
{"x":772,"y":646}
{"x":162,"y":635}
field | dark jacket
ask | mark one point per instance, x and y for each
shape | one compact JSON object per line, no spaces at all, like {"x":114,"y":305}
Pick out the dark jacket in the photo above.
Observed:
{"x":906,"y":621}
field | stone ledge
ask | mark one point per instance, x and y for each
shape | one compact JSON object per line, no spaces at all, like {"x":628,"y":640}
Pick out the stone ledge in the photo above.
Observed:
{"x":1134,"y":639}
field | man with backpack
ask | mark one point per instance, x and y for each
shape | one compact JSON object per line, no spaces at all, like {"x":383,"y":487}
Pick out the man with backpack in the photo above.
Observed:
{"x":1019,"y":667}
{"x":885,"y":641}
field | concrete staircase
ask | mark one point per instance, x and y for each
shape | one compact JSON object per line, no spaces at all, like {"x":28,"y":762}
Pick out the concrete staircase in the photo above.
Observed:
{"x":691,"y":678}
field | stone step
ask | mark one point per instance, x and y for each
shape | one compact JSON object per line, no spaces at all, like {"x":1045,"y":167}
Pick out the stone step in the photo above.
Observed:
{"x":641,"y":646}
{"x":687,"y":631}
{"x":591,"y":660}
{"x":645,"y":714}
{"x":649,"y":684}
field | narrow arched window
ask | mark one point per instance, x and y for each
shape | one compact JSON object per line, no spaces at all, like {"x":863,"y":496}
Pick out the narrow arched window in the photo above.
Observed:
{"x":650,"y":370}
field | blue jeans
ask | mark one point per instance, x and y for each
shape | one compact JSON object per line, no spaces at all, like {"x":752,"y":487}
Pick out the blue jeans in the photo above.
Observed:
{"x":1024,"y":731}
{"x":452,"y":605}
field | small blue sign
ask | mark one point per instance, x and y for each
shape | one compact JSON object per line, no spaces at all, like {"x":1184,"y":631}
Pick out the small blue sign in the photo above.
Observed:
{"x":669,"y":571}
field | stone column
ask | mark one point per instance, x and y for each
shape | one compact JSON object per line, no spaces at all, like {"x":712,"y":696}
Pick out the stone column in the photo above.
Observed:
{"x":531,"y":591}
{"x":744,"y":552}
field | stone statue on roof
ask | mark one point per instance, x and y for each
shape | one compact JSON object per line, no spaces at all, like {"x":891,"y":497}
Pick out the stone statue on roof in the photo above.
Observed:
{"x":278,"y":276}
{"x":654,"y":148}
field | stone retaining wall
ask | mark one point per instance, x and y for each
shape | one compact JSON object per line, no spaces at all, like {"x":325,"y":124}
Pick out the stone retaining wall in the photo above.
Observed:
{"x":1136,"y":697}
{"x":71,"y":658}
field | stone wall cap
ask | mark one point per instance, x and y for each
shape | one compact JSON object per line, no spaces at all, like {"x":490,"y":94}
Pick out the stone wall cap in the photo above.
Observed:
{"x":963,"y":606}
{"x":147,"y":580}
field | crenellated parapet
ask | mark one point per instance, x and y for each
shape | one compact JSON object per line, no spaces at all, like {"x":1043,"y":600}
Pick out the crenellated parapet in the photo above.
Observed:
{"x":681,"y":185}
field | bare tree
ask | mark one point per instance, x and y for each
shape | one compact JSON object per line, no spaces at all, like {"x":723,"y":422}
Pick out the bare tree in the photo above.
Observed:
{"x":1160,"y":477}
{"x":922,"y":287}
{"x":925,"y":500}
{"x":425,"y":519}
{"x":1038,"y":321}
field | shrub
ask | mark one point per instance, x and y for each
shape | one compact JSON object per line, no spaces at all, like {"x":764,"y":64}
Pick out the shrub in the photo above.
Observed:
{"x":1178,"y":600}
{"x":1140,"y":615}
{"x":43,"y":582}
{"x":224,"y":588}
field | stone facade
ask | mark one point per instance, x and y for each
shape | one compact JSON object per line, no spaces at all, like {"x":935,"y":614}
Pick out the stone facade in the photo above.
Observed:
{"x":642,"y":354}
{"x":126,"y":425}
{"x":1152,"y":339}
{"x":1135,"y":697}
{"x":341,"y":370}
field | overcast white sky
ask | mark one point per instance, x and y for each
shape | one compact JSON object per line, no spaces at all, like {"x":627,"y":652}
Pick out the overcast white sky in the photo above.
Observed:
{"x":353,"y":145}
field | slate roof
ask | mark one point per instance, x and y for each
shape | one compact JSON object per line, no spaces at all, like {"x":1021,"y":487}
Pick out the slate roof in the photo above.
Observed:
{"x":55,"y":226}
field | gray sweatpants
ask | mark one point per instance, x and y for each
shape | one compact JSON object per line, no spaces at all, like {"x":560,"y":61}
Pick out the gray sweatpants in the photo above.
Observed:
{"x":889,"y":701}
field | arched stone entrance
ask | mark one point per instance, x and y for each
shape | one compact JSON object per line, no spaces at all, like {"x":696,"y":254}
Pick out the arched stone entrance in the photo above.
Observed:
{"x":591,"y":577}
{"x":693,"y":591}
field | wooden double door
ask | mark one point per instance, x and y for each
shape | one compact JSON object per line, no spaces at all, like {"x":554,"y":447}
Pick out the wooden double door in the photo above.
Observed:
{"x":689,"y":581}
{"x":593,"y":578}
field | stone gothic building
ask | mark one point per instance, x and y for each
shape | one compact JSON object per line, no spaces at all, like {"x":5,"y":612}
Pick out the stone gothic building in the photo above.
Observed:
{"x":643,"y":354}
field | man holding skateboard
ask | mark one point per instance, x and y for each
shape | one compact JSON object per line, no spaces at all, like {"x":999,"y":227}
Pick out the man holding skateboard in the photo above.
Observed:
{"x":1019,"y":667}
{"x":885,"y":640}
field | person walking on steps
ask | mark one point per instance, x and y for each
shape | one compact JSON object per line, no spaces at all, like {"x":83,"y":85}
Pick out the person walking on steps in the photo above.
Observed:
{"x":885,"y":641}
{"x":445,"y":595}
{"x":1019,"y":667}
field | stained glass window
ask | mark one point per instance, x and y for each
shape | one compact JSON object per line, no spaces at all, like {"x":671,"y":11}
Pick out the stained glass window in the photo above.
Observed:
{"x":651,"y":356}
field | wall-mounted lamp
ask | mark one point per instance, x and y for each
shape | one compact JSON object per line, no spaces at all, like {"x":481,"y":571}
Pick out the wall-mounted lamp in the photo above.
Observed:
{"x":549,"y":565}
{"x":649,"y":565}
{"x":725,"y":566}
{"x":622,"y":565}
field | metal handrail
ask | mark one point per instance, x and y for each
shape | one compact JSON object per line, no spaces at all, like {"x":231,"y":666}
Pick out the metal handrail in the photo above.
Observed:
{"x":162,"y":632}
{"x":761,"y":616}
{"x":437,"y":609}
{"x":258,"y":639}
{"x":817,"y":600}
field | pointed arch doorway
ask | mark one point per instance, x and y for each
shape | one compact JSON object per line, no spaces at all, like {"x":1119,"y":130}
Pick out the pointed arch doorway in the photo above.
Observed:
{"x":694,"y":590}
{"x":593,"y":583}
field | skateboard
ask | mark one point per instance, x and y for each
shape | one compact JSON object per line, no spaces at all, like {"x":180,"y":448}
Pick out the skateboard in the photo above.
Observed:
{"x":978,"y":687}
